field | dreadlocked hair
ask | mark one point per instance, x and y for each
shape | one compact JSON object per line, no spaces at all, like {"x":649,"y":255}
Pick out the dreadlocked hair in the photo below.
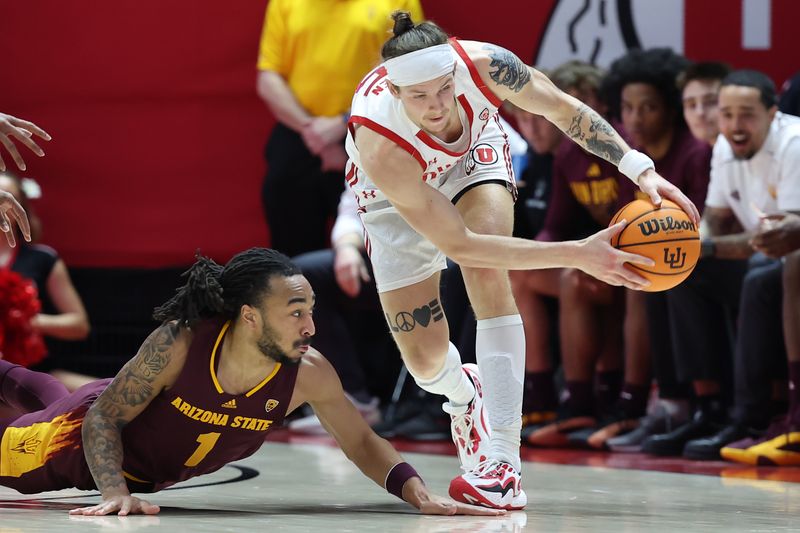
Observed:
{"x":212,"y":290}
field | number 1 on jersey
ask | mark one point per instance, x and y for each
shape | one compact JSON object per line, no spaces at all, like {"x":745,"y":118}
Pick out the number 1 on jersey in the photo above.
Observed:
{"x":206,"y":441}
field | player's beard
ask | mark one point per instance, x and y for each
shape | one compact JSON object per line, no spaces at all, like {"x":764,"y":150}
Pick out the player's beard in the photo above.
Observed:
{"x":270,"y":348}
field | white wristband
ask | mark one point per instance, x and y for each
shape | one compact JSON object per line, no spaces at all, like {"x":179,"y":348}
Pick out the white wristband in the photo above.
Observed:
{"x":634,"y":163}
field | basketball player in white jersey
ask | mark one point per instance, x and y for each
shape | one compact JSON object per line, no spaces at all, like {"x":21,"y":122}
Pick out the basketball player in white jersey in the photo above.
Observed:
{"x":430,"y":166}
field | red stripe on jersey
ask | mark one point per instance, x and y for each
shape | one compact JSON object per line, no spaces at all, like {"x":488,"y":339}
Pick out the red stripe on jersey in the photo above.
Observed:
{"x":427,"y":139}
{"x":392,"y":136}
{"x":379,"y":74}
{"x":473,"y":72}
{"x":351,"y":177}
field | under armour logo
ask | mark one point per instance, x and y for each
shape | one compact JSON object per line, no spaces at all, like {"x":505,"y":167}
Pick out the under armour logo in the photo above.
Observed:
{"x":368,"y":194}
{"x":676,"y":260}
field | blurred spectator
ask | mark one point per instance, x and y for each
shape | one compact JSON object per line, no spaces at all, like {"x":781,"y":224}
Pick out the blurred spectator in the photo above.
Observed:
{"x":312,"y":56}
{"x":63,"y":315}
{"x":699,"y":86}
{"x":755,"y":173}
{"x":343,"y":286}
{"x":640,"y":89}
{"x":790,"y":96}
{"x":570,"y":172}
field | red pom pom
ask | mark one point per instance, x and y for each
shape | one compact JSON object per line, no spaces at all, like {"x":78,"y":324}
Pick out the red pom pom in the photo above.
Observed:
{"x":19,"y":303}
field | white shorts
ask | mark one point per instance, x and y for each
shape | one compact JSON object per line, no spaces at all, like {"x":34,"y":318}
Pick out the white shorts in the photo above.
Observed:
{"x":400,"y":256}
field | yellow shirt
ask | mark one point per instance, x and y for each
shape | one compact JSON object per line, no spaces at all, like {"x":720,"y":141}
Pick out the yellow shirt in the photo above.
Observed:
{"x":324,"y":47}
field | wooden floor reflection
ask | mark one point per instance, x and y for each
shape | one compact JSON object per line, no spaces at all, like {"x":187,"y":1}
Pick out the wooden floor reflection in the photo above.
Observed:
{"x":313,"y":487}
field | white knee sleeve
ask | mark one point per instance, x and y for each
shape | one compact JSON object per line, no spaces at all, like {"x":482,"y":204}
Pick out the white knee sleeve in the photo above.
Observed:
{"x":500,"y":350}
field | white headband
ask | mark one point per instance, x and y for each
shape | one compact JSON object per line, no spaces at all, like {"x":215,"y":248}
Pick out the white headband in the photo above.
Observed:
{"x":421,"y":65}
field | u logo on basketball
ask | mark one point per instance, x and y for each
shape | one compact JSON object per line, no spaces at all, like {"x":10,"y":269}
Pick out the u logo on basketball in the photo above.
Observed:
{"x":676,"y":260}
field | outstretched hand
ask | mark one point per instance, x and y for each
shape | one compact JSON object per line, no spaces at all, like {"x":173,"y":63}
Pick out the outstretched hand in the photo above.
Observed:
{"x":440,"y":505}
{"x":23,"y":131}
{"x":10,"y":209}
{"x":656,"y":187}
{"x":606,"y":263}
{"x":121,"y":505}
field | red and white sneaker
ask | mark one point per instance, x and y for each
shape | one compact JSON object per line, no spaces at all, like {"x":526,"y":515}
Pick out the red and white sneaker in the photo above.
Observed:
{"x":469,"y":426}
{"x":492,"y":483}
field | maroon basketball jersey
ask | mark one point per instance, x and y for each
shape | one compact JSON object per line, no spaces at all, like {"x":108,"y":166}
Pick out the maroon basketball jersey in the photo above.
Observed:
{"x":195,"y":427}
{"x":191,"y":429}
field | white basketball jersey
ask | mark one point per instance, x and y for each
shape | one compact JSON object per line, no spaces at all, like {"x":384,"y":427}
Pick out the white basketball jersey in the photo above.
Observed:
{"x":375,"y":108}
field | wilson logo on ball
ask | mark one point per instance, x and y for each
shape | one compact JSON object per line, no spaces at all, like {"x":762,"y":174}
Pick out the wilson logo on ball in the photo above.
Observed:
{"x":654,"y":225}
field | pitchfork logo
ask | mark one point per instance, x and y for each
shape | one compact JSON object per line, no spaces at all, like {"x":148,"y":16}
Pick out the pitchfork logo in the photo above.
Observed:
{"x":676,"y":260}
{"x":27,"y":446}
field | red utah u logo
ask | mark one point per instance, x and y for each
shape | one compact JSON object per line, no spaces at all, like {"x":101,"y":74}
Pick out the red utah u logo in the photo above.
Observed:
{"x":484,"y":154}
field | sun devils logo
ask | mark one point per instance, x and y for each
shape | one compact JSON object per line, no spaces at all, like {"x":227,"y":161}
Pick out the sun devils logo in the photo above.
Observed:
{"x":271,"y":404}
{"x":28,"y":446}
{"x":484,"y":154}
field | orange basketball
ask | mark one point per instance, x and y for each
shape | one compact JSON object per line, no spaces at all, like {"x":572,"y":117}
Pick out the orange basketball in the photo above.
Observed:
{"x":666,"y":235}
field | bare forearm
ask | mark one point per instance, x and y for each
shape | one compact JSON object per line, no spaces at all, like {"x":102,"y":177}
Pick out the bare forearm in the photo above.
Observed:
{"x":275,"y":92}
{"x":511,"y":253}
{"x":375,"y":458}
{"x":102,"y":446}
{"x":733,"y":246}
{"x":66,"y":326}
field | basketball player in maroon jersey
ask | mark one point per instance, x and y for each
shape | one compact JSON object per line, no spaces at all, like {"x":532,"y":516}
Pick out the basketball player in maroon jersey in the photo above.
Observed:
{"x":231,"y":359}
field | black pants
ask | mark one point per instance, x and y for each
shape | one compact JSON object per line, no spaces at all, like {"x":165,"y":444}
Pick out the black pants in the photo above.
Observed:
{"x":662,"y":350}
{"x":299,"y":199}
{"x":350,"y":332}
{"x":700,"y":312}
{"x":760,"y":355}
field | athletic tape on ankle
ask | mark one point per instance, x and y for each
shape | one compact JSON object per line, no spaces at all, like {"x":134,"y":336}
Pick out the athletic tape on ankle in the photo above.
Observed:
{"x":397,"y":477}
{"x":634,"y":163}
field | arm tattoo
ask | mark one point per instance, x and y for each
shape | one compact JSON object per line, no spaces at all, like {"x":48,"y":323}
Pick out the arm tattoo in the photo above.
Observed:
{"x":607,"y":147}
{"x":103,"y":423}
{"x":509,"y":70}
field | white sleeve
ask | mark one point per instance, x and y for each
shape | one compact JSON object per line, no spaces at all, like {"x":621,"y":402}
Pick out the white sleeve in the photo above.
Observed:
{"x":717,"y":195}
{"x":788,"y":194}
{"x":347,"y":219}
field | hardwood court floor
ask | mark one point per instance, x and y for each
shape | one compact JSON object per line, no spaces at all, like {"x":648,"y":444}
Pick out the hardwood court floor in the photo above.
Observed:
{"x":313,"y":487}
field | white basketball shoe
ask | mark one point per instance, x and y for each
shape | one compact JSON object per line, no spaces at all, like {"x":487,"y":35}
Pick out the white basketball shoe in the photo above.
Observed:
{"x":469,"y":425}
{"x":491,"y":483}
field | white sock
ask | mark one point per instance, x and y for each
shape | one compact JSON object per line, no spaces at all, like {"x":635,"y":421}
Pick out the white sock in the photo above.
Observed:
{"x":500,"y":350}
{"x":451,"y":381}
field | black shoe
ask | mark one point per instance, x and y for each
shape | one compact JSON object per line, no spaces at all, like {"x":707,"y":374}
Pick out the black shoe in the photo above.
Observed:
{"x":703,"y":424}
{"x":555,"y":434}
{"x":403,"y":412}
{"x":612,"y":425}
{"x":707,"y":449}
{"x":431,"y":424}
